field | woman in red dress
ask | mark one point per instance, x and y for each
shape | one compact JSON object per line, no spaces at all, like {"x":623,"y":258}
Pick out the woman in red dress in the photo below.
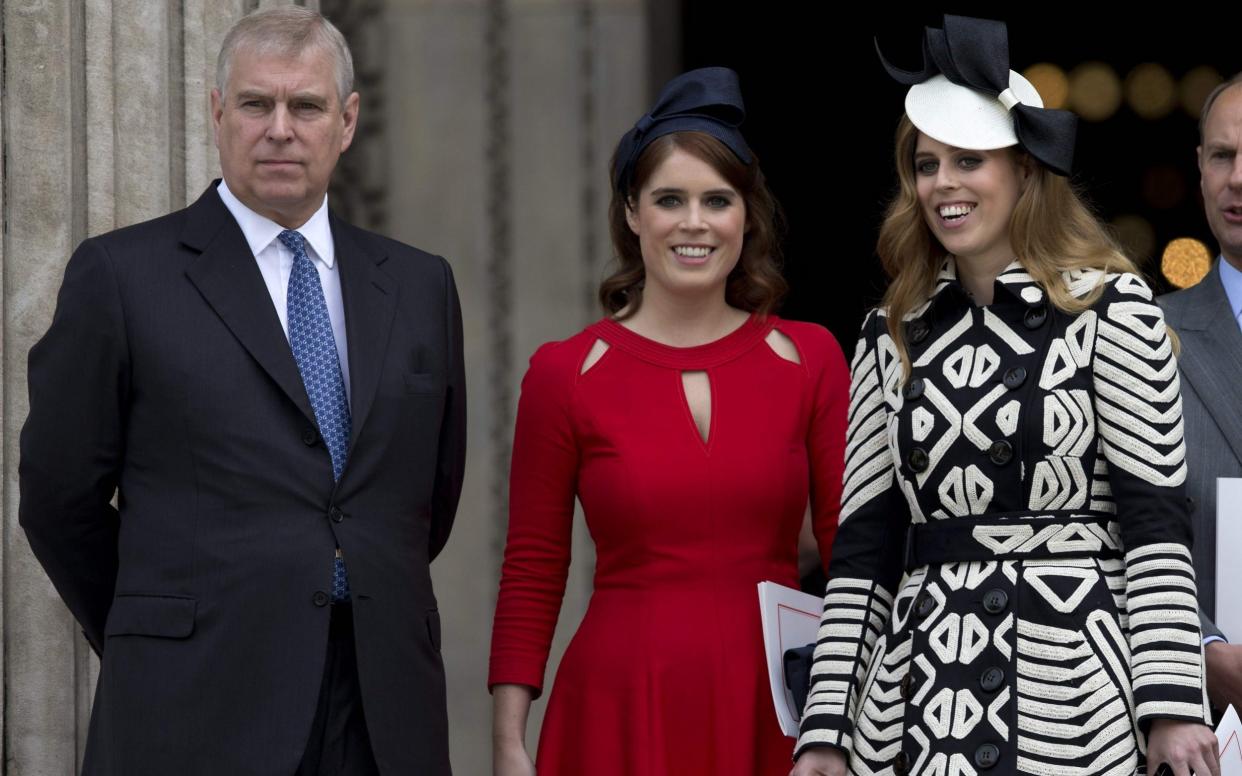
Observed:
{"x":694,"y":427}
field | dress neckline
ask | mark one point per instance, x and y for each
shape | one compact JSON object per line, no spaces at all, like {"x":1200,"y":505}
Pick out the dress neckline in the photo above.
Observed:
{"x":710,"y":354}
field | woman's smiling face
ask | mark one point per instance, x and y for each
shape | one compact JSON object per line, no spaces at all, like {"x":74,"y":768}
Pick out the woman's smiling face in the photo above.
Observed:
{"x":690,"y":224}
{"x":968,"y":197}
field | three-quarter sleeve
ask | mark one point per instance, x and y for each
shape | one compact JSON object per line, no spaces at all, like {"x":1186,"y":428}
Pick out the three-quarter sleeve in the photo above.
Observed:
{"x":866,"y":564}
{"x":542,"y":486}
{"x":1139,"y":422}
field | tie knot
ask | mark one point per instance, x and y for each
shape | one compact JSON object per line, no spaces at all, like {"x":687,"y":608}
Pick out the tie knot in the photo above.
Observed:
{"x":293,"y":240}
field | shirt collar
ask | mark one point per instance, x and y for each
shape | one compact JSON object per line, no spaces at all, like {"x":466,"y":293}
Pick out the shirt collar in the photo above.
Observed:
{"x":1231,"y":279}
{"x":260,"y":231}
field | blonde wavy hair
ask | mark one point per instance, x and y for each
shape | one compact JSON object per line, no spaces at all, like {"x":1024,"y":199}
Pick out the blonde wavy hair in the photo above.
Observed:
{"x":1052,"y":230}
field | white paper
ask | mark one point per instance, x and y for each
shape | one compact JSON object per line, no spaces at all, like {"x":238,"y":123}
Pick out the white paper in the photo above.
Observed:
{"x":1229,"y":738}
{"x":1229,"y":556}
{"x":790,"y":620}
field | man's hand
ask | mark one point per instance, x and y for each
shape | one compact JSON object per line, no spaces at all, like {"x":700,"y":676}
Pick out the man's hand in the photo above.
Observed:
{"x":1224,"y":674}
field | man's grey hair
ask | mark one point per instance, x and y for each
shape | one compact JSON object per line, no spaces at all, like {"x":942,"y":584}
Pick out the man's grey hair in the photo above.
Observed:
{"x":1211,"y":100}
{"x":287,"y":31}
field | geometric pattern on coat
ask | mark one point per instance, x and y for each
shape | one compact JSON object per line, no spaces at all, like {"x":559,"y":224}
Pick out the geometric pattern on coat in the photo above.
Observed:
{"x":1014,"y":413}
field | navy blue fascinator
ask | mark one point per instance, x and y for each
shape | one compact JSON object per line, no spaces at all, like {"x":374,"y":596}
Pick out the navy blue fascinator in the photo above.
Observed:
{"x":707,"y":100}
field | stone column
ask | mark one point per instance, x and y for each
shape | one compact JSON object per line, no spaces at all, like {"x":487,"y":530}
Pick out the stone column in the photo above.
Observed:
{"x":106,"y":123}
{"x":501,"y":117}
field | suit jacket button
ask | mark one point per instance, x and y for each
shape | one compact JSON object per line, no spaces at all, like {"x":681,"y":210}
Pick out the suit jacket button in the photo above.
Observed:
{"x":901,"y":764}
{"x":310,"y":437}
{"x":986,"y":756}
{"x":1014,"y":377}
{"x":995,"y":601}
{"x":1001,"y":452}
{"x":918,"y":460}
{"x":924,"y":606}
{"x":336,"y":515}
{"x":992,"y":679}
{"x":320,"y":598}
{"x":1035,"y":317}
{"x":913,"y":389}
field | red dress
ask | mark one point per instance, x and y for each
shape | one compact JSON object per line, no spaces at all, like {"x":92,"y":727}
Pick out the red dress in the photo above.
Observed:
{"x":666,"y":674}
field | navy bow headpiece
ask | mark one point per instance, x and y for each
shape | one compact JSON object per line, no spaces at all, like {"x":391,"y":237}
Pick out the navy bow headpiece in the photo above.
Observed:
{"x":974,"y":53}
{"x":707,"y":100}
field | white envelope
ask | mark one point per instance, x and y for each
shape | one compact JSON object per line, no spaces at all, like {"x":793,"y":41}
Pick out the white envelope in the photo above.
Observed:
{"x":1229,"y":738}
{"x":790,"y":620}
{"x":1229,"y":556}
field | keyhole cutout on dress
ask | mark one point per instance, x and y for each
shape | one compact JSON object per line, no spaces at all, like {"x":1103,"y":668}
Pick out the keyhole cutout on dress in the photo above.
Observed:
{"x":592,"y":358}
{"x":783,"y":346}
{"x":698,"y":390}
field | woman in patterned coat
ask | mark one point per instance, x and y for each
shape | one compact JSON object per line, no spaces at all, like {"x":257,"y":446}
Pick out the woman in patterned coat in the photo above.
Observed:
{"x":1011,"y":584}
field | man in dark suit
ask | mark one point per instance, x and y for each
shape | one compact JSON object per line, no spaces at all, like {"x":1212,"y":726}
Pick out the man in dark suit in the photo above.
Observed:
{"x":1207,"y":318}
{"x":276,"y":400}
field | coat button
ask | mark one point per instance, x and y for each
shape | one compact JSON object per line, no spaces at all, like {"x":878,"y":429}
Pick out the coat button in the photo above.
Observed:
{"x":917,"y":460}
{"x":917,"y":330}
{"x":909,"y":686}
{"x":310,"y":437}
{"x":925,"y":605}
{"x":320,"y":598}
{"x":992,"y":679}
{"x":1001,"y":452}
{"x":901,"y":764}
{"x":1035,"y":317}
{"x":995,"y":601}
{"x":1014,"y":377}
{"x":986,"y":756}
{"x":336,"y":515}
{"x":913,"y":390}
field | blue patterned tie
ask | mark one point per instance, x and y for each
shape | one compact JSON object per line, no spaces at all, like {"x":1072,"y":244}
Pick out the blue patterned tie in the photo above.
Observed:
{"x":314,"y":350}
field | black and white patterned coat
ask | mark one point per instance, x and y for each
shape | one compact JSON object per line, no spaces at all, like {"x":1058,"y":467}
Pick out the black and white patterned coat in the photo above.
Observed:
{"x":1056,"y":617}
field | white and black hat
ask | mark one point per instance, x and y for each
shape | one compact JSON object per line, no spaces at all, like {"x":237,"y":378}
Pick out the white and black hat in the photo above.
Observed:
{"x":966,"y":95}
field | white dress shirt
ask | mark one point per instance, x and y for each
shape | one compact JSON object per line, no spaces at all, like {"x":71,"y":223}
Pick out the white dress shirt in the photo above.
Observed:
{"x":1231,"y":279}
{"x":276,"y":262}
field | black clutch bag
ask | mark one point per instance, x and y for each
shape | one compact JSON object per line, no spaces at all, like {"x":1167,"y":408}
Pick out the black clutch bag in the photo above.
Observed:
{"x":798,"y":674}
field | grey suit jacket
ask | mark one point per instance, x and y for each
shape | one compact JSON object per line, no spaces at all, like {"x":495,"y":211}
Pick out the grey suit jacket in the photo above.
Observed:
{"x":1211,"y":370}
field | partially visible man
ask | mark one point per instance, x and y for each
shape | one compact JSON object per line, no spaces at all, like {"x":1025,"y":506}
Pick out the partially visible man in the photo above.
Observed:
{"x":1208,"y":320}
{"x":277,"y":400}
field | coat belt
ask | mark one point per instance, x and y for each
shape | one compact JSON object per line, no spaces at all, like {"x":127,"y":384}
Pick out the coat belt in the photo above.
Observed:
{"x":1013,"y":536}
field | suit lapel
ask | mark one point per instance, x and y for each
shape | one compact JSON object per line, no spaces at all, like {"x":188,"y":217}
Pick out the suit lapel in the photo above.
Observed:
{"x":228,"y":277}
{"x":1212,"y":355}
{"x":370,"y":297}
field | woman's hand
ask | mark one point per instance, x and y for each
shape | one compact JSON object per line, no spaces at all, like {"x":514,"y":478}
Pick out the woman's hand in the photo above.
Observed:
{"x":511,"y":759}
{"x":510,"y":705}
{"x":821,"y":761}
{"x":1184,"y":747}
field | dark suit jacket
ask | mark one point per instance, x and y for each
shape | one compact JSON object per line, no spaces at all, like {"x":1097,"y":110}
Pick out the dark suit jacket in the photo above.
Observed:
{"x":166,"y":378}
{"x":1211,"y":367}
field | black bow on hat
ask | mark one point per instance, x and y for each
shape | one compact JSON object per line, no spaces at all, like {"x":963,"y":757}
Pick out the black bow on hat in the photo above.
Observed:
{"x":706,"y":100}
{"x":975,"y":53}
